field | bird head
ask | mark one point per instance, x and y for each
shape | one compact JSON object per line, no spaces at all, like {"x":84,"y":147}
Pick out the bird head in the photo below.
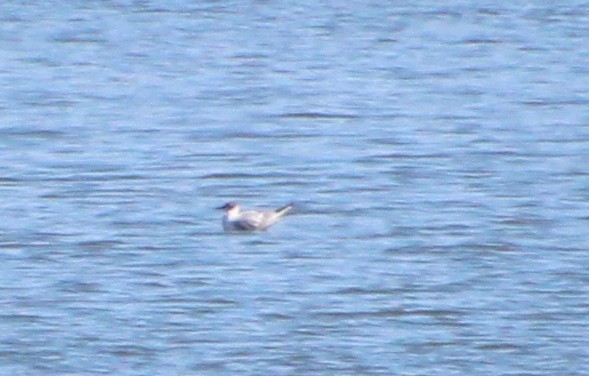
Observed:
{"x":228,"y":206}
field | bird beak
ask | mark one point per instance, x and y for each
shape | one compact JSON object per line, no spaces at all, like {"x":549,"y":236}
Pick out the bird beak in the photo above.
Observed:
{"x":221,"y":207}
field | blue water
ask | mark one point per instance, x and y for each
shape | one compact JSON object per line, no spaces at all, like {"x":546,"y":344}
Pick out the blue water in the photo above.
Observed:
{"x":437,"y":155}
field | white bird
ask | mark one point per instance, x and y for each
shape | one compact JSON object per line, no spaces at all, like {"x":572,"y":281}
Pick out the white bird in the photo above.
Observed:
{"x":237,"y":220}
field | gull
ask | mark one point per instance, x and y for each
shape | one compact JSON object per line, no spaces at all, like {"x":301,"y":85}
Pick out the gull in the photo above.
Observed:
{"x":250,"y":220}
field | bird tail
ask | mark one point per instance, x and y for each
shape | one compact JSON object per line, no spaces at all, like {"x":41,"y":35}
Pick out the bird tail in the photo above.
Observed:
{"x":285,"y":209}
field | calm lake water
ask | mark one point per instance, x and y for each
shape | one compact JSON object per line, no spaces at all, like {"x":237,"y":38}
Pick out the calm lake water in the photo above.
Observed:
{"x":437,"y":154}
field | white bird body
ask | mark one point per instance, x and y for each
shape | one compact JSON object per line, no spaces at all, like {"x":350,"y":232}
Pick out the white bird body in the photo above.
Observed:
{"x":237,"y":220}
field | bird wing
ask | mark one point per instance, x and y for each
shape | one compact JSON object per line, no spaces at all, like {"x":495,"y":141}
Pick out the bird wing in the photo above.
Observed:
{"x":249,"y":221}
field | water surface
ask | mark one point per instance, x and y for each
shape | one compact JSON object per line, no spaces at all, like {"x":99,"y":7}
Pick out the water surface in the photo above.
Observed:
{"x":437,"y":155}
